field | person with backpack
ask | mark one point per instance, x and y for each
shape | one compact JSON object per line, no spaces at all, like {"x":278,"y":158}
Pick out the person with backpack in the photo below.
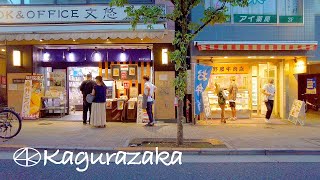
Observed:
{"x":222,"y":97}
{"x":86,"y":88}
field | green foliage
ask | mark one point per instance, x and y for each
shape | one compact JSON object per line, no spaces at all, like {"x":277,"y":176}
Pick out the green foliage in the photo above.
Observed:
{"x":186,"y":30}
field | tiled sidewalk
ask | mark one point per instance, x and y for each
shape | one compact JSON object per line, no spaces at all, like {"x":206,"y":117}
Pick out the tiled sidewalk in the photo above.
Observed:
{"x":241,"y":134}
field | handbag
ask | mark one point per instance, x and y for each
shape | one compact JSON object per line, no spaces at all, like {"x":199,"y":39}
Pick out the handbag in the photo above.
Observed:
{"x":89,"y":98}
{"x":266,"y":98}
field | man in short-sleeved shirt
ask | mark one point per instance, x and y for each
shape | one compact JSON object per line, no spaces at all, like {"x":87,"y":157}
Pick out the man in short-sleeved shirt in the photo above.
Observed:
{"x":86,"y":88}
{"x":149,"y":90}
{"x":269,"y":91}
{"x":233,"y":90}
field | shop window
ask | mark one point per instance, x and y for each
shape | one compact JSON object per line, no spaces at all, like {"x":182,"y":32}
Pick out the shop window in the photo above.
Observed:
{"x":258,"y":11}
{"x":39,"y":1}
{"x":71,"y":1}
{"x":290,"y":11}
{"x":217,"y":4}
{"x":10,"y":1}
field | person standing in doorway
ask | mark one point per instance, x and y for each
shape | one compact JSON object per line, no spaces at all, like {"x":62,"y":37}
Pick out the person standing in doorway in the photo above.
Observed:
{"x":221,"y":100}
{"x":98,"y":114}
{"x":233,"y":90}
{"x":148,"y":93}
{"x":86,"y":88}
{"x":269,"y":92}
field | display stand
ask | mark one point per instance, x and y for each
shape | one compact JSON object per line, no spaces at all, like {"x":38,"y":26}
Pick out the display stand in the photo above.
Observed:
{"x":297,"y":113}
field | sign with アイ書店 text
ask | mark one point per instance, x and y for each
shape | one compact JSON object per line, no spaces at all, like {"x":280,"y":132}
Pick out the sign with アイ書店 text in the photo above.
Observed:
{"x":64,"y":14}
{"x":255,"y":18}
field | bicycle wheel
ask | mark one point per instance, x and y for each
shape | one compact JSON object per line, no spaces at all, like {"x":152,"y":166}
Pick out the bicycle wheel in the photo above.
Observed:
{"x":10,"y":124}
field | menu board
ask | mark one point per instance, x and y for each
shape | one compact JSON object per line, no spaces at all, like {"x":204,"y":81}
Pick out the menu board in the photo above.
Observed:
{"x":206,"y":104}
{"x":124,"y":71}
{"x":297,"y":108}
{"x":142,"y":116}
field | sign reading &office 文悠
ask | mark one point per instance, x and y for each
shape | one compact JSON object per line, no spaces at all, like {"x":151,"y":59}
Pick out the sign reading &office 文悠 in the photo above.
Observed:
{"x":64,"y":14}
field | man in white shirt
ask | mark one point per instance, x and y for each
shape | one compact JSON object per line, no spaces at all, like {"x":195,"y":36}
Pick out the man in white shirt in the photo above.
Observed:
{"x":269,"y":91}
{"x":149,"y":90}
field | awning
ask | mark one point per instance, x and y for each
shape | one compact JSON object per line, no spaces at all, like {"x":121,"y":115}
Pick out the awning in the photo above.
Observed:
{"x":67,"y":32}
{"x":256,"y":45}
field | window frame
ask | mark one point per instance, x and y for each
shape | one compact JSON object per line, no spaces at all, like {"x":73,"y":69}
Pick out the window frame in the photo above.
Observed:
{"x":22,"y":3}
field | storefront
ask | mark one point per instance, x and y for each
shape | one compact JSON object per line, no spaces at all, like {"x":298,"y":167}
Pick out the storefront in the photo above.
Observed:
{"x":64,"y":50}
{"x":252,"y":64}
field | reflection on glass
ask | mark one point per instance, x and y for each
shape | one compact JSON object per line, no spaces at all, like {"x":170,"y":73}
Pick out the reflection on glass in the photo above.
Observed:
{"x":10,"y":1}
{"x":38,"y":1}
{"x":71,"y":1}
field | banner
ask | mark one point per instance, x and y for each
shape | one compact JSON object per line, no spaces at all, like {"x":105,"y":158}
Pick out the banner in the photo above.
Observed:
{"x":33,"y":91}
{"x":201,"y":80}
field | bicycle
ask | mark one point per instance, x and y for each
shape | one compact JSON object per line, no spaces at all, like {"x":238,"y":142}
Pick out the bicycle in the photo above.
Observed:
{"x":10,"y":123}
{"x":308,"y":104}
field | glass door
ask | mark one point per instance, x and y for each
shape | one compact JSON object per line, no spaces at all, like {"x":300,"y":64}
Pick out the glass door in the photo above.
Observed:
{"x":266,"y":72}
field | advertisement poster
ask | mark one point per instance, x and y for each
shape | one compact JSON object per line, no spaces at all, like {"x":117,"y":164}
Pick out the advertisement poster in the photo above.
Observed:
{"x":311,"y":86}
{"x":296,"y":108}
{"x":58,"y":79}
{"x":120,"y":105}
{"x":33,"y":91}
{"x":131,"y":104}
{"x":142,"y":116}
{"x":124,"y":74}
{"x":115,"y":72}
{"x":109,"y":105}
{"x":132,"y":71}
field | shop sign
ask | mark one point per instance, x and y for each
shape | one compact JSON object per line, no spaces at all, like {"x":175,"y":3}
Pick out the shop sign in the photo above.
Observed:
{"x":297,"y":111}
{"x":300,"y":66}
{"x":255,"y":18}
{"x":64,"y":14}
{"x":291,"y":19}
{"x":311,"y":86}
{"x":18,"y":81}
{"x":124,"y":67}
{"x":201,"y":80}
{"x":230,"y":69}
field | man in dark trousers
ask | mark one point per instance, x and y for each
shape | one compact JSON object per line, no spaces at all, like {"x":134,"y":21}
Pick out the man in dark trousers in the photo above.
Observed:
{"x":86,"y":88}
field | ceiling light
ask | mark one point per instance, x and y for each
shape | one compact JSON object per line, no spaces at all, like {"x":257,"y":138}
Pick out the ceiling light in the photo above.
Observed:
{"x":73,"y":40}
{"x":226,"y":57}
{"x":272,"y":57}
{"x":3,"y":50}
{"x":249,"y":57}
{"x":46,"y":57}
{"x":41,"y":40}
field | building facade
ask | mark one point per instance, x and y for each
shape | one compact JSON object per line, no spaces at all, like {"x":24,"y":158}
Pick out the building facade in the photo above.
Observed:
{"x":268,"y":39}
{"x":68,"y":39}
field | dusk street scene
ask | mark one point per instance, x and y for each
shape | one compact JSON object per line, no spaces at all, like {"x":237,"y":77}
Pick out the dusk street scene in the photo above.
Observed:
{"x":159,"y":89}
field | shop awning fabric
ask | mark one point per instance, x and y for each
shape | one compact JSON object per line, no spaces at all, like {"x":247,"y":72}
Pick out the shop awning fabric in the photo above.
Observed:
{"x":256,"y":45}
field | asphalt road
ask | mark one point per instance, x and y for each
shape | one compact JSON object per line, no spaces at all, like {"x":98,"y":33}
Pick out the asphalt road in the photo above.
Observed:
{"x":193,"y":167}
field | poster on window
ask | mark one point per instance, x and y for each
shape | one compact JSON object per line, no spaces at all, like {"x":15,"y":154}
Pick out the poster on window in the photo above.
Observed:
{"x":33,"y":91}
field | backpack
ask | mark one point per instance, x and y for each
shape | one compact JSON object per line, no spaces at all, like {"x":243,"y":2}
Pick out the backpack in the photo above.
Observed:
{"x":221,"y":98}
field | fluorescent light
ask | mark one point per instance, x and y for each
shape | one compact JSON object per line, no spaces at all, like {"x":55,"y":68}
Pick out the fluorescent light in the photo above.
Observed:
{"x":46,"y":57}
{"x":16,"y":58}
{"x":226,"y":57}
{"x":272,"y":57}
{"x":165,"y":56}
{"x":97,"y":56}
{"x":3,"y":50}
{"x":249,"y":57}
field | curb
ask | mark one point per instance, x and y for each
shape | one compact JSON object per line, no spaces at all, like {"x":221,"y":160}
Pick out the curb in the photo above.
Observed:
{"x":185,"y":151}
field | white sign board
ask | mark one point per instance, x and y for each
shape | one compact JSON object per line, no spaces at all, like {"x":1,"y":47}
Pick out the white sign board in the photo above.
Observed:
{"x":63,"y":14}
{"x":206,"y":104}
{"x":297,"y":112}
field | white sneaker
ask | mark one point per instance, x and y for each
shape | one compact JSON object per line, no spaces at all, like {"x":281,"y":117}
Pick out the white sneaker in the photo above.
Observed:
{"x":266,"y":120}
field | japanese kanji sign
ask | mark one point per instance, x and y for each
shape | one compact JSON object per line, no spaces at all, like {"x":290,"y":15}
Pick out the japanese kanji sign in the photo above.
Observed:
{"x":230,"y":69}
{"x":64,"y":14}
{"x":254,"y":18}
{"x":201,"y":80}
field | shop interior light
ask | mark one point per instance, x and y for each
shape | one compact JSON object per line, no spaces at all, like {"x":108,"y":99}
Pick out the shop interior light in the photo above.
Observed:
{"x":41,"y":40}
{"x":226,"y":57}
{"x":16,"y":58}
{"x":272,"y":57}
{"x":3,"y":50}
{"x":123,"y":56}
{"x":71,"y":57}
{"x":97,"y":57}
{"x":165,"y":56}
{"x":46,"y":57}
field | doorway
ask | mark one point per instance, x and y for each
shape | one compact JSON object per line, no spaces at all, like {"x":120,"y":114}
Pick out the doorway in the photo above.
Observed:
{"x":261,"y":73}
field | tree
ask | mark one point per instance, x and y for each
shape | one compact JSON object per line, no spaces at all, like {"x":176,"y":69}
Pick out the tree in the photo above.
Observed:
{"x":185,"y":32}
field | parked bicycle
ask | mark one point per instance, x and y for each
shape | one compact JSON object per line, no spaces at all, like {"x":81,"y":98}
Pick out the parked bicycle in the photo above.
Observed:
{"x":308,"y":105}
{"x":10,"y":123}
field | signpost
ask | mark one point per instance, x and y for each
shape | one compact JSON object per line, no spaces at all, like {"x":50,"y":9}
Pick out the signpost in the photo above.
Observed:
{"x":297,"y":113}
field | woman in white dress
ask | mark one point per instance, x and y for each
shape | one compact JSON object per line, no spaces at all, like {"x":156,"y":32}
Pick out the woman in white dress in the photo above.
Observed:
{"x":98,"y":109}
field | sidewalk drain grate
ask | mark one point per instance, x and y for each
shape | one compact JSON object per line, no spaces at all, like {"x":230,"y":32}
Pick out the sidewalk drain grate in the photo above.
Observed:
{"x":314,"y":141}
{"x":44,"y":124}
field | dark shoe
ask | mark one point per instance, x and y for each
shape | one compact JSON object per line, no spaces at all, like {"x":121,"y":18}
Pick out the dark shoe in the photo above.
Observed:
{"x":149,"y":124}
{"x":84,"y":123}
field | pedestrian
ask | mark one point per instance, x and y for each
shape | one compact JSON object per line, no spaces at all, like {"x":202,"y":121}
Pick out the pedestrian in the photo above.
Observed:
{"x":86,"y":88}
{"x":269,"y":92}
{"x":148,"y":99}
{"x":98,"y":114}
{"x":221,"y":100}
{"x":233,"y":90}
